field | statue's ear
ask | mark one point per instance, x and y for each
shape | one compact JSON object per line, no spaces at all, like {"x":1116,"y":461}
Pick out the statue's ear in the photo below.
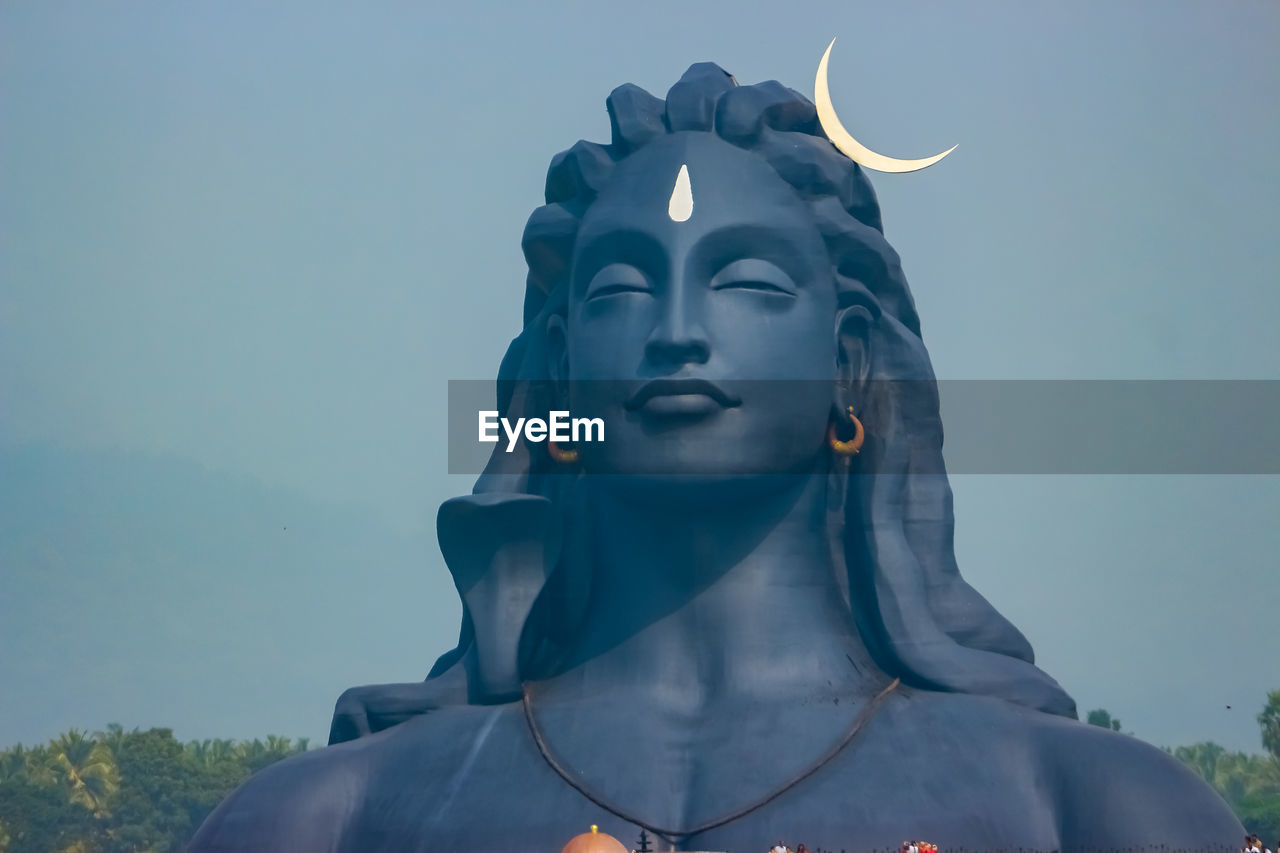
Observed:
{"x":853,"y":358}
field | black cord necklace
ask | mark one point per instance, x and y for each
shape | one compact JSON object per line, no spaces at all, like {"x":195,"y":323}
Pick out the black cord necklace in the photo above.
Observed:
{"x":675,"y":836}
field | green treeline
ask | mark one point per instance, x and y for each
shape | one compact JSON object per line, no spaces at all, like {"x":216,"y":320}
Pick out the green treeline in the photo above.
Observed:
{"x":1249,"y":783}
{"x":121,"y":792}
{"x":146,"y":792}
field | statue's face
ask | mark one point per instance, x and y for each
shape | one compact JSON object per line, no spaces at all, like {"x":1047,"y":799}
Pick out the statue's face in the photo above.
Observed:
{"x":707,"y":345}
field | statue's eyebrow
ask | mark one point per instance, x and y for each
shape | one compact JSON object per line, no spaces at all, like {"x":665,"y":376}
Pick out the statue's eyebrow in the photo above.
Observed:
{"x":620,"y":245}
{"x":734,"y":242}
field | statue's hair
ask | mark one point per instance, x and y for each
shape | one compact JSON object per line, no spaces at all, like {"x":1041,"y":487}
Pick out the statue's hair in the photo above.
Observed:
{"x":920,"y":619}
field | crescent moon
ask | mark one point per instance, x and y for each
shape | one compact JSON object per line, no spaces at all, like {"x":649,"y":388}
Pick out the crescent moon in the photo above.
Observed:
{"x":852,"y":148}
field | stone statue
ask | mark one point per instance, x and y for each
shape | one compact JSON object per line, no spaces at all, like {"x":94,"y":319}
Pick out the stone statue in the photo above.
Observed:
{"x":739,"y":618}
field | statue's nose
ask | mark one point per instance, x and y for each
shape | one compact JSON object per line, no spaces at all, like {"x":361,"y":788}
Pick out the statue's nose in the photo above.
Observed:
{"x":678,"y":337}
{"x":677,"y":340}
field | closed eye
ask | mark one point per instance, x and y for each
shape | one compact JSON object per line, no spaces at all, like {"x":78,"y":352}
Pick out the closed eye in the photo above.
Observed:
{"x":616,"y":279}
{"x":762,"y":286}
{"x":754,"y":274}
{"x":611,"y":289}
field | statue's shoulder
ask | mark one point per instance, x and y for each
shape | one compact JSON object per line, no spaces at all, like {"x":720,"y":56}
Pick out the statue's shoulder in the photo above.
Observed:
{"x":310,"y":802}
{"x":1115,"y":790}
{"x":301,"y":803}
{"x":1104,"y":789}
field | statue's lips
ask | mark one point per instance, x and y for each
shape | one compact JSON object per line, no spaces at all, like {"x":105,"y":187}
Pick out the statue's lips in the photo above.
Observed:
{"x":681,"y":397}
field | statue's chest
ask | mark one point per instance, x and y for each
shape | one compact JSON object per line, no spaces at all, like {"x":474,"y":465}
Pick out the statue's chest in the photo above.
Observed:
{"x":497,"y":788}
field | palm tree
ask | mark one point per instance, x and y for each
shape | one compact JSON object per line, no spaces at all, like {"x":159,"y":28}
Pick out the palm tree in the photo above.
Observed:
{"x":280,"y":746}
{"x":41,"y":766}
{"x":221,"y":751}
{"x":13,"y":766}
{"x":253,"y":753}
{"x":86,"y":768}
{"x":113,"y":737}
{"x":1202,"y":758}
{"x":278,"y":743}
{"x":1235,"y":776}
{"x":200,"y":751}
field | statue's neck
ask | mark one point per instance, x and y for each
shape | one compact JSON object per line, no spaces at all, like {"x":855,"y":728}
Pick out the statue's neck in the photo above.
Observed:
{"x":718,"y":597}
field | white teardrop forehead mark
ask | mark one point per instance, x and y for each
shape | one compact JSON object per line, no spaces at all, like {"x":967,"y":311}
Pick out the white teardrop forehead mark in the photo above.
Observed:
{"x":680,"y":207}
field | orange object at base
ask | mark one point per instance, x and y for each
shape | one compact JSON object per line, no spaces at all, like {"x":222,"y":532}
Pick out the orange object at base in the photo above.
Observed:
{"x":594,"y":842}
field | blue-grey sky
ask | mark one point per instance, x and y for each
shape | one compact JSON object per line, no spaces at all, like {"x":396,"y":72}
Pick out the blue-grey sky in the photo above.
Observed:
{"x":244,"y":246}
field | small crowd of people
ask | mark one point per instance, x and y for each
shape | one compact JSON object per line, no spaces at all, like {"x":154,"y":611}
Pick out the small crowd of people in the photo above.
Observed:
{"x":1253,"y":844}
{"x":910,"y":847}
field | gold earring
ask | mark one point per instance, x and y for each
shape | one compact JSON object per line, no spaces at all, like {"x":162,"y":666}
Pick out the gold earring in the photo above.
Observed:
{"x":853,"y":445}
{"x":564,"y":457}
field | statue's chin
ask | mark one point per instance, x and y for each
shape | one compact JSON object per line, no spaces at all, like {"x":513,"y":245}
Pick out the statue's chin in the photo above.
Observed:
{"x":697,"y":488}
{"x":705,"y":462}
